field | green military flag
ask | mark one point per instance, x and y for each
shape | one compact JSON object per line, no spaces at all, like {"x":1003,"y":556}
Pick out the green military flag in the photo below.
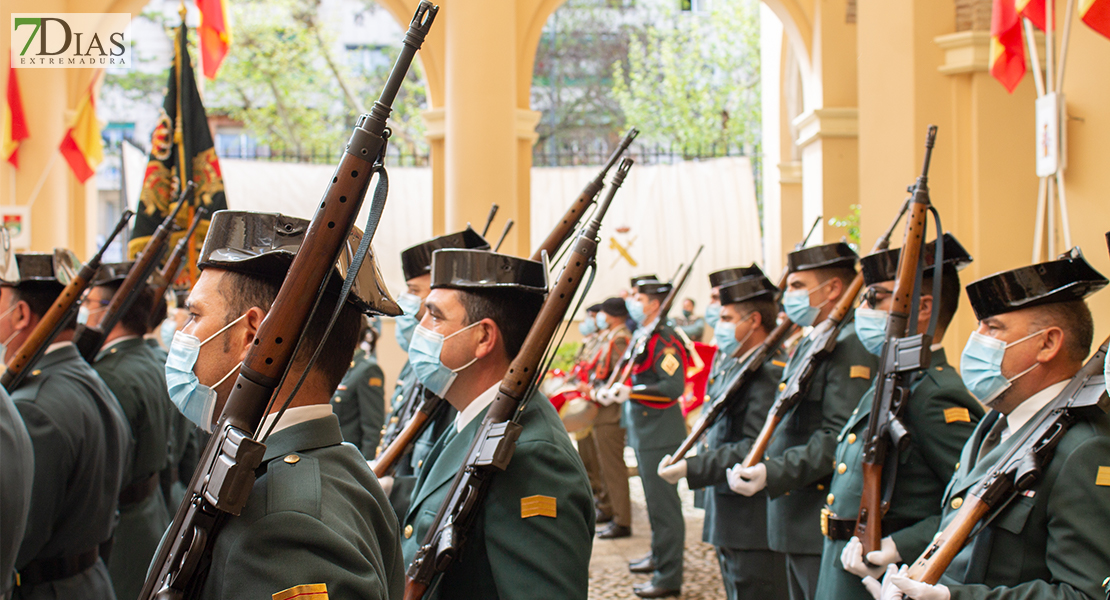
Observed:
{"x":181,"y":149}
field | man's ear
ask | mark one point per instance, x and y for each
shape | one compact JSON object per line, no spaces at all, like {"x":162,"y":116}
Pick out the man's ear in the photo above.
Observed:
{"x":22,"y":317}
{"x":251,"y":322}
{"x":1052,"y":344}
{"x":836,"y":289}
{"x":487,"y":338}
{"x":757,"y":319}
{"x":925,"y":311}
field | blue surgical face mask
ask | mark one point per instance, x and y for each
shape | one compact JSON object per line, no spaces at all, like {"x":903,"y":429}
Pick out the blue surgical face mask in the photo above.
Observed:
{"x":796,"y":305}
{"x":871,"y":328}
{"x":981,"y":366}
{"x":636,"y":311}
{"x":196,"y":401}
{"x":83,"y":314}
{"x":602,"y":322}
{"x":724,"y":334}
{"x":404,"y":324}
{"x":712,"y":315}
{"x":424,"y":356}
{"x":588,"y":326}
{"x":166,"y":331}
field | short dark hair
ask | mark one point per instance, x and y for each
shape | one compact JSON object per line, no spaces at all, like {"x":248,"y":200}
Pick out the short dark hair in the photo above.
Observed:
{"x":949,"y":295}
{"x":1075,"y":319}
{"x":243,"y":292}
{"x":513,"y":311}
{"x":40,"y":296}
{"x":845,"y":273}
{"x":660,"y":297}
{"x":768,"y":312}
{"x":158,"y":314}
{"x":136,"y":321}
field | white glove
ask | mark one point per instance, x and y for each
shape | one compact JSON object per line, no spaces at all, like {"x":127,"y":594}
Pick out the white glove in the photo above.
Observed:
{"x":853,"y":561}
{"x":672,"y":473}
{"x":618,"y":393}
{"x":604,"y":398}
{"x":749,"y":481}
{"x":897,"y":585}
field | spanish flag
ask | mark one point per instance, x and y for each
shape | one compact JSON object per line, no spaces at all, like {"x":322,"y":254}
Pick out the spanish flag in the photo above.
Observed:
{"x":15,"y":122}
{"x":82,"y":147}
{"x":214,"y":32}
{"x":1007,"y":56}
{"x":1096,"y":14}
{"x":1032,"y":10}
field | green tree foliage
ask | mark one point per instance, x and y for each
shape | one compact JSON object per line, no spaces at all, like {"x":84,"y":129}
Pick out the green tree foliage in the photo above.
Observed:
{"x":692,"y":78}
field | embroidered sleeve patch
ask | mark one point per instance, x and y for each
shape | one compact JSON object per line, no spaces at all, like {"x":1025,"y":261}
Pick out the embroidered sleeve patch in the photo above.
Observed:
{"x":860,"y":372}
{"x":375,"y":381}
{"x":670,"y":364}
{"x":536,"y":506}
{"x":957,"y":414}
{"x":308,"y":591}
{"x":1103,"y":477}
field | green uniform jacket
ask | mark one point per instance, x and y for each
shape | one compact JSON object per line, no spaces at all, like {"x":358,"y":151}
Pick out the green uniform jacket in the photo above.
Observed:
{"x":733,"y":520}
{"x":939,"y":417}
{"x":508,"y":555}
{"x":801,"y":451}
{"x":16,"y":478}
{"x":1052,"y":542}
{"x":82,"y":442}
{"x":659,"y":376}
{"x":137,"y":377}
{"x":359,"y":402}
{"x":316,"y":515}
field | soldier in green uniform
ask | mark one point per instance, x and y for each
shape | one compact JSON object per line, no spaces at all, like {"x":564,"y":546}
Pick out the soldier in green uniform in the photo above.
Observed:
{"x":17,"y":475}
{"x":359,"y":401}
{"x":655,"y":428}
{"x":136,"y":375}
{"x":186,"y":439}
{"x":737,"y":525}
{"x":1035,"y":331}
{"x":533,"y":534}
{"x":592,"y":337}
{"x":316,"y":523}
{"x":940,"y":415}
{"x":81,"y":442}
{"x":798,"y":466}
{"x":416,"y":263}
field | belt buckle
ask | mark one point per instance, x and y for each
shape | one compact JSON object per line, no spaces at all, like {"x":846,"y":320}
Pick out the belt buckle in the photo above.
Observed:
{"x":825,"y":521}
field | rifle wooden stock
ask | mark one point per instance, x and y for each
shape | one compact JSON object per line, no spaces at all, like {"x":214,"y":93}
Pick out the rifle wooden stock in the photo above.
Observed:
{"x":493,"y":445}
{"x":173,"y":264}
{"x":565,"y":227}
{"x":50,"y":325}
{"x":387,"y":459}
{"x":89,"y":340}
{"x":759,"y":447}
{"x":731,"y":394}
{"x":929,"y":567}
{"x":892,"y":383}
{"x":225,"y":474}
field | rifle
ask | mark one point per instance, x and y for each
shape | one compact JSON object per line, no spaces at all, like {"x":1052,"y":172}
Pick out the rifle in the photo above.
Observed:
{"x":89,"y":340}
{"x":225,"y":474}
{"x":493,"y":446}
{"x":1019,"y":469}
{"x":420,"y":409}
{"x":643,"y":335}
{"x":504,"y":234}
{"x":905,"y":352}
{"x":824,"y":342}
{"x":170,"y":270}
{"x":565,"y":227}
{"x":489,"y":220}
{"x":59,"y":314}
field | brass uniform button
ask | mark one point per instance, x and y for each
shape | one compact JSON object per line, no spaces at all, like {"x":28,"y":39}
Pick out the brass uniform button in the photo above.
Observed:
{"x":782,"y":386}
{"x":408,"y":531}
{"x":420,"y":463}
{"x":851,"y":438}
{"x":841,"y":468}
{"x":957,"y":466}
{"x":292,"y":459}
{"x":36,"y":372}
{"x":337,"y":399}
{"x":829,"y":499}
{"x":820,"y":487}
{"x":957,"y":503}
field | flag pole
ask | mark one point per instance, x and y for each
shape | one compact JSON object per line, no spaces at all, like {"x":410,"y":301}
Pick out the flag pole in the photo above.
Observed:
{"x":1034,"y":56}
{"x":1038,"y":228}
{"x":42,"y":179}
{"x":1050,"y":46}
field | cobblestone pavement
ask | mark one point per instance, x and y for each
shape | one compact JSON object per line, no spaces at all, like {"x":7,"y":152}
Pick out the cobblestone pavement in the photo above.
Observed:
{"x":609,"y":575}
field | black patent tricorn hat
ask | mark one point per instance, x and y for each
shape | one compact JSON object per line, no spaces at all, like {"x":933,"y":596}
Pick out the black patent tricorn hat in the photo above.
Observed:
{"x":466,"y":269}
{"x":112,"y":272}
{"x":417,"y":260}
{"x":883,"y":266}
{"x":264,"y":244}
{"x":1063,"y":280}
{"x":837,"y":254}
{"x":719,"y":278}
{"x":753,"y":287}
{"x":652,"y":286}
{"x":58,"y":267}
{"x":635,"y":281}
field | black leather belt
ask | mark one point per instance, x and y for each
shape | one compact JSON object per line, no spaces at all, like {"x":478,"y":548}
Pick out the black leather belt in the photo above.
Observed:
{"x":138,"y":491}
{"x":42,"y":570}
{"x":839,"y":530}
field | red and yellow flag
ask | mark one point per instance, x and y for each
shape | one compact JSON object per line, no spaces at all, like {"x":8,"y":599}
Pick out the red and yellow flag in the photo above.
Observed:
{"x":214,"y":33}
{"x":15,"y":122}
{"x":82,"y":147}
{"x":1032,"y":10}
{"x":1007,"y":56}
{"x":1096,"y":14}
